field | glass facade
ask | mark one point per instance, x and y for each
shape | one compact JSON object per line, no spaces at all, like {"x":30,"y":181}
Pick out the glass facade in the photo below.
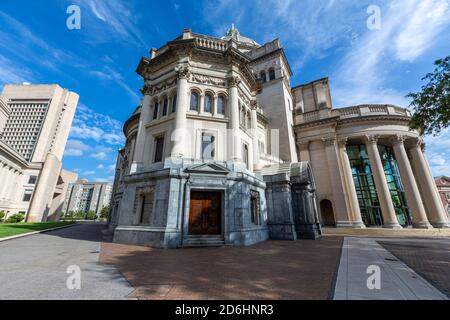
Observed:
{"x":365,"y":185}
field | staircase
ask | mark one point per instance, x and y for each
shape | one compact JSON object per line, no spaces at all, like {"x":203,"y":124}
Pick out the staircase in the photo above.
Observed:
{"x":204,"y":241}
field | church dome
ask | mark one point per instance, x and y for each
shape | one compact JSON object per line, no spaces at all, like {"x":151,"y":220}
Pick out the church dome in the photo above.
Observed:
{"x":233,"y":33}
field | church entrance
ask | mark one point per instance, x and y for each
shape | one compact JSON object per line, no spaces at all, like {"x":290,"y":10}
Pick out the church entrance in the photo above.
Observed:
{"x":205,"y":213}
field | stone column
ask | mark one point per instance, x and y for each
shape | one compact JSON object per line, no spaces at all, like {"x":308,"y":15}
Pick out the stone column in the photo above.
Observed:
{"x":138,"y":157}
{"x":384,"y":196}
{"x":254,"y":126}
{"x":180,"y":133}
{"x":351,"y":190}
{"x":303,"y":147}
{"x":412,"y":193}
{"x":432,"y":201}
{"x":341,"y":209}
{"x":234,"y":106}
{"x":4,"y":178}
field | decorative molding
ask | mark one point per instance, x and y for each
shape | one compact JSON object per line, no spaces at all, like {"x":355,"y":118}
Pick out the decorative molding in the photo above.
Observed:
{"x":204,"y":79}
{"x":342,"y":142}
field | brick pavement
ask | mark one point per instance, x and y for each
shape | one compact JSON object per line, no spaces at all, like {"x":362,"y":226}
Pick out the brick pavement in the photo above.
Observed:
{"x":303,"y":269}
{"x":429,"y":258}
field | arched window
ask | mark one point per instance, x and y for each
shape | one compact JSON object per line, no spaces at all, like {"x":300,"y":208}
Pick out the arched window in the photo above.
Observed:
{"x":174,"y":103}
{"x":194,"y":101}
{"x":262,"y":75}
{"x":221,"y":105}
{"x":271,"y":74}
{"x":208,"y":103}
{"x":165,"y":107}
{"x":155,"y":110}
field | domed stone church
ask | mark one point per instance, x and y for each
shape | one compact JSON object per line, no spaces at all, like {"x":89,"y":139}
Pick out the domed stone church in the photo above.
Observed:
{"x":223,"y":151}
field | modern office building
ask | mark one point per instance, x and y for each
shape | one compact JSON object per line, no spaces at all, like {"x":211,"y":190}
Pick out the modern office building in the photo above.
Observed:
{"x":222,"y":149}
{"x":35,"y":121}
{"x":84,"y":196}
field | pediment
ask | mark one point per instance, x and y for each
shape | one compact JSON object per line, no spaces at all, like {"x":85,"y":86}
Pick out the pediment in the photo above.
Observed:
{"x":210,"y":168}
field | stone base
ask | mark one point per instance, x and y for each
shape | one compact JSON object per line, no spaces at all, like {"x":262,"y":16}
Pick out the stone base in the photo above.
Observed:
{"x":358,"y":225}
{"x":309,"y":231}
{"x":422,"y":225}
{"x":155,"y":237}
{"x":344,"y":224}
{"x":282,"y":231}
{"x":392,"y":225}
{"x":441,"y":225}
{"x":247,"y":237}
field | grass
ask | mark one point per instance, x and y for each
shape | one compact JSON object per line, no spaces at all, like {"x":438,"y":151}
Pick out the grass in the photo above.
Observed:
{"x":12,"y":229}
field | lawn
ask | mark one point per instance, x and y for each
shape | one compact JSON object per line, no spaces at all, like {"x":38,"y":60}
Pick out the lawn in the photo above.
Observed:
{"x":11,"y":229}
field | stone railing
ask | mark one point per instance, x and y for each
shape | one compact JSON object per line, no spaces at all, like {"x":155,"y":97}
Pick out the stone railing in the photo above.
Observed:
{"x":209,"y":43}
{"x":352,"y":112}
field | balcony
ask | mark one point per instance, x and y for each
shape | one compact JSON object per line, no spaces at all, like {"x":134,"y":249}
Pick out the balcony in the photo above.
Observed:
{"x":366,"y":110}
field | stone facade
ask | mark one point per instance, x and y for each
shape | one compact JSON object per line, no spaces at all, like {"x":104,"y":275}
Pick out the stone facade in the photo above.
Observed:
{"x":35,"y":121}
{"x":218,"y":115}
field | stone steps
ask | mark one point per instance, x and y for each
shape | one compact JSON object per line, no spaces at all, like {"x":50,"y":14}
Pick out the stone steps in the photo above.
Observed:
{"x":204,"y":241}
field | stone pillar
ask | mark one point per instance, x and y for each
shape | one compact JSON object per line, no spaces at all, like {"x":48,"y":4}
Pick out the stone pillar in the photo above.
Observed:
{"x":234,"y":106}
{"x":254,"y":126}
{"x":44,"y":190}
{"x":180,"y":133}
{"x":341,"y":209}
{"x":4,"y":178}
{"x":432,"y":201}
{"x":412,"y":193}
{"x":351,"y":190}
{"x":303,"y":147}
{"x":138,"y":157}
{"x":384,"y":196}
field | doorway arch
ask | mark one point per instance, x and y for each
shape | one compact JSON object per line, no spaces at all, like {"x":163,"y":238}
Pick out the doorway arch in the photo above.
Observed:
{"x":327,"y":213}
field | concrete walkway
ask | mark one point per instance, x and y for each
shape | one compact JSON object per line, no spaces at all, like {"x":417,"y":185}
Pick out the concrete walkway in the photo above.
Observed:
{"x":398,"y":281}
{"x":35,"y":267}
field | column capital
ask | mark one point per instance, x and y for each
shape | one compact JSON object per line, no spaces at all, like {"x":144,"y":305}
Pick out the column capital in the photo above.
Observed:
{"x":398,"y":139}
{"x":418,"y":142}
{"x":233,"y":81}
{"x":253,"y":104}
{"x":329,"y":141}
{"x":342,"y":142}
{"x":304,"y":143}
{"x":371,"y":139}
{"x":182,"y":70}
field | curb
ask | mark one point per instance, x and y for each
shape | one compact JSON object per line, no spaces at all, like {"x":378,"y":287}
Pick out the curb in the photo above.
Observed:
{"x":35,"y":232}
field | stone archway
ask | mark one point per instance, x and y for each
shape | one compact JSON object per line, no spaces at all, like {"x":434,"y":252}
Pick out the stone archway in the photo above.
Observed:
{"x":327,"y":213}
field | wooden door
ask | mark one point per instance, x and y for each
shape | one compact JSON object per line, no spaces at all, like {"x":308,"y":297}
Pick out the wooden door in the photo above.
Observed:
{"x":205,"y":213}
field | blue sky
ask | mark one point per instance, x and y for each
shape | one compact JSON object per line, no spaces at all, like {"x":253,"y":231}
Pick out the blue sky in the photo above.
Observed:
{"x":321,"y":38}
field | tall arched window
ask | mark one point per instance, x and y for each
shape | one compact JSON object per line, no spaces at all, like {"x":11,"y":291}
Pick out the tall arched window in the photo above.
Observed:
{"x":262,"y":75}
{"x":165,"y":107}
{"x":174,"y":103}
{"x":221,"y":105}
{"x":208,"y":103}
{"x":194,"y":101}
{"x":271,"y":74}
{"x":155,"y":110}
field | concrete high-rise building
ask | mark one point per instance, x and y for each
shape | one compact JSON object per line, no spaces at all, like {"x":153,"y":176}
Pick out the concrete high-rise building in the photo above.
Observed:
{"x":84,"y":196}
{"x":222,"y":150}
{"x":35,"y":121}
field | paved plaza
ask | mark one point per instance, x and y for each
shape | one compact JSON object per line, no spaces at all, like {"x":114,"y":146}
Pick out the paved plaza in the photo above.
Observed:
{"x":332,"y":267}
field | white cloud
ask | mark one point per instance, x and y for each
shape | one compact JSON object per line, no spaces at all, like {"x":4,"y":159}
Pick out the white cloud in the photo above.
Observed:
{"x":109,"y":74}
{"x":88,"y":173}
{"x":100,"y":166}
{"x":427,"y":20}
{"x":75,"y":148}
{"x":111,"y":168}
{"x":119,"y":19}
{"x":101,"y":155}
{"x":363,"y":72}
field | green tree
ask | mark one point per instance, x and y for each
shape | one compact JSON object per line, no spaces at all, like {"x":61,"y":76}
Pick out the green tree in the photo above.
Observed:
{"x":104,"y":213}
{"x":432,"y":104}
{"x":2,"y":215}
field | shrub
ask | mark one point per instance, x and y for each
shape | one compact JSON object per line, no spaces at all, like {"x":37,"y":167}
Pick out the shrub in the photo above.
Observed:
{"x":2,"y":215}
{"x":15,"y":218}
{"x":90,"y":215}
